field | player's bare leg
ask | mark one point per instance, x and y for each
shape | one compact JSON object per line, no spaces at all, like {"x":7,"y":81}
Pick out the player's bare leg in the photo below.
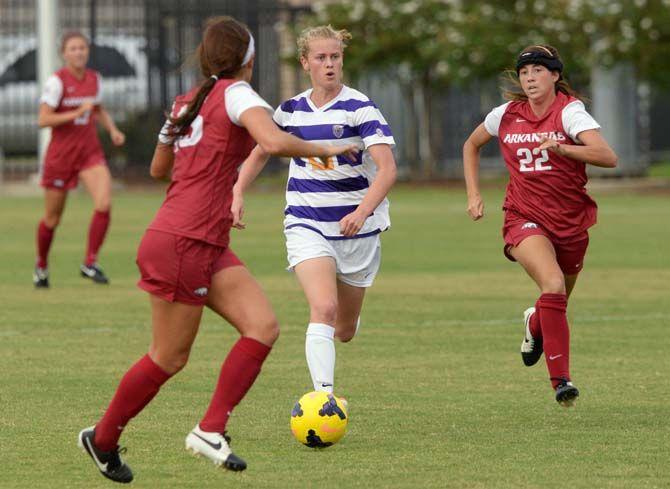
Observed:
{"x":537,"y":256}
{"x":54,"y":204}
{"x":174,"y":327}
{"x":236,"y":296}
{"x":317,"y":278}
{"x":350,"y":302}
{"x":98,"y":182}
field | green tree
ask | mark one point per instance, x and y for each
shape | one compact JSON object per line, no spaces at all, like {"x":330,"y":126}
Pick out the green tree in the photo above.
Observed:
{"x":430,"y":45}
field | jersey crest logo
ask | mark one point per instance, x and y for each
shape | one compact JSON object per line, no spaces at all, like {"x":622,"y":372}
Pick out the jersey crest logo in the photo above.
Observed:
{"x":338,"y":130}
{"x":70,"y":89}
{"x":529,"y":225}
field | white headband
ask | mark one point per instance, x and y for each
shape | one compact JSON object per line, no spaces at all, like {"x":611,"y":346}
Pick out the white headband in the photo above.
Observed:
{"x":251,"y":50}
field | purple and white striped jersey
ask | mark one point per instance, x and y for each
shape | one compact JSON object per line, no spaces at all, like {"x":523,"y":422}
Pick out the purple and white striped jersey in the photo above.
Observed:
{"x":320,"y":193}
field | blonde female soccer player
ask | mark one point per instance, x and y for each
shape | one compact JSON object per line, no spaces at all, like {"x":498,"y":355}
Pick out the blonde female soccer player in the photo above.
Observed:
{"x":335,"y":209}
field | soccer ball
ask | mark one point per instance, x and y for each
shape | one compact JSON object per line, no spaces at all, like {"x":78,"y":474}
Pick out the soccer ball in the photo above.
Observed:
{"x":319,"y":419}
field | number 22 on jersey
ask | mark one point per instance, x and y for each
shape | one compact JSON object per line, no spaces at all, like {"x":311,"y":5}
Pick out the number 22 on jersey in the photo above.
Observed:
{"x":529,"y":162}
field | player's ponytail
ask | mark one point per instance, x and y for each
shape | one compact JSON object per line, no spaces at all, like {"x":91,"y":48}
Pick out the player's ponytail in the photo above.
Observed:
{"x":221,"y":54}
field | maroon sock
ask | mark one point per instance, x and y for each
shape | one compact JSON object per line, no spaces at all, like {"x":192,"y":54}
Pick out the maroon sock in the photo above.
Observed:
{"x":556,"y":336}
{"x":96,"y":235}
{"x":137,"y":388}
{"x":44,"y":237}
{"x":238,"y":372}
{"x":534,"y":325}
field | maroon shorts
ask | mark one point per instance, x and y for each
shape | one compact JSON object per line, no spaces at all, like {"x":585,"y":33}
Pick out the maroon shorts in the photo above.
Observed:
{"x":64,"y":175}
{"x":180,"y":269}
{"x":569,"y":255}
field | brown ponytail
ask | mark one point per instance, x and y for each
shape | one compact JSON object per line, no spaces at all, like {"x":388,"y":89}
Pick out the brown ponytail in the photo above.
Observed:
{"x":511,"y":87}
{"x":220,"y":54}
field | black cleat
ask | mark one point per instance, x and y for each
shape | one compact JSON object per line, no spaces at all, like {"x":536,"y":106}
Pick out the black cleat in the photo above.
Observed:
{"x":41,"y":278}
{"x":95,"y":273}
{"x":531,"y":348}
{"x":566,"y":393}
{"x":110,"y":464}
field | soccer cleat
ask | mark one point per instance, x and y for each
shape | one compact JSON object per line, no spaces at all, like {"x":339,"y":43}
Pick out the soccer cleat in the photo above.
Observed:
{"x":214,"y":446}
{"x":531,"y":348}
{"x":41,"y":278}
{"x":566,"y":393}
{"x":110,"y":464}
{"x":94,"y":272}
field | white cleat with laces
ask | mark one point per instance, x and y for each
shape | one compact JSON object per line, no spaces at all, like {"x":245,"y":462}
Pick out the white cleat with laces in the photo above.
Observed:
{"x":215,"y":447}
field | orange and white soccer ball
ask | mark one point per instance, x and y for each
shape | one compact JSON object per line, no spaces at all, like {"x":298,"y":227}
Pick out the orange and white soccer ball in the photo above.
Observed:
{"x":319,"y":419}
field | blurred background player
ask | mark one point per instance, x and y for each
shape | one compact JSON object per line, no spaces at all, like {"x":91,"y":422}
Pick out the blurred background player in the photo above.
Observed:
{"x":70,"y":105}
{"x":546,"y":138}
{"x":184,"y":257}
{"x":335,"y":209}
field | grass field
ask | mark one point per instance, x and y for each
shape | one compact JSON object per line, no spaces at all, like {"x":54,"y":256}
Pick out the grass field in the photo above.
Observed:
{"x":438,"y":395}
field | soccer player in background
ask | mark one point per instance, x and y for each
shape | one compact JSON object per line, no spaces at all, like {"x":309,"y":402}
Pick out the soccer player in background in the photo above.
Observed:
{"x":546,"y":138}
{"x":335,"y":209}
{"x":71,"y":104}
{"x":184,"y":257}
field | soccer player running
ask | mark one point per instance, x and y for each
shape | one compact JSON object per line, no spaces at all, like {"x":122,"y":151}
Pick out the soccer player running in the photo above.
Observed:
{"x":71,"y":104}
{"x":546,"y":138}
{"x":335,"y":209}
{"x":184,"y":257}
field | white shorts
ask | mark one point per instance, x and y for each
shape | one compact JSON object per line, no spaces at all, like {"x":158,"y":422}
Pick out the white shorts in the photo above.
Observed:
{"x":357,"y":260}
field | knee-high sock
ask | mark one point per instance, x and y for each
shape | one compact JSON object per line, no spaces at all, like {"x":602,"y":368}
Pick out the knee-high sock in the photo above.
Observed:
{"x":238,"y":373}
{"x":320,"y":353}
{"x":137,"y":388}
{"x":96,"y":235}
{"x":556,"y":336}
{"x":534,"y":325}
{"x":45,"y":236}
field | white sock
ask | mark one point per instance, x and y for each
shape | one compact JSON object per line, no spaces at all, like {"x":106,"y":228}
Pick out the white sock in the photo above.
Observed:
{"x":320,"y":353}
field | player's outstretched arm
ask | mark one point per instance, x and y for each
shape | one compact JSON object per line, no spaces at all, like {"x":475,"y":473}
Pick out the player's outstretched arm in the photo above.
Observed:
{"x":471,"y":147}
{"x":117,"y":137}
{"x":249,"y":170}
{"x":386,"y":175}
{"x":276,"y":142}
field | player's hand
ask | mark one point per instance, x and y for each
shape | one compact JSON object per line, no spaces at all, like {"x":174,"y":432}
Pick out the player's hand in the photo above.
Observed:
{"x":237,"y":211}
{"x":118,"y":138}
{"x":85,"y":107}
{"x":476,"y":207}
{"x":349,"y":151}
{"x":551,"y":145}
{"x":352,"y":223}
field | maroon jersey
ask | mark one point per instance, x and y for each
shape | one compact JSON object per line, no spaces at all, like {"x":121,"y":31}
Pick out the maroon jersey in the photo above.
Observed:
{"x":77,"y":139}
{"x":198,"y":200}
{"x":545,"y":187}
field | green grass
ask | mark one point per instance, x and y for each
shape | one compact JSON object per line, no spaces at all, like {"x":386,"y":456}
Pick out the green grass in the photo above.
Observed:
{"x":437,"y":392}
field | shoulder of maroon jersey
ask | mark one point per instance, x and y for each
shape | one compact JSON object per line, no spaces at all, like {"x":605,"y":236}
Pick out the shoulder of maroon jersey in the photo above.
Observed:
{"x":62,"y":73}
{"x":92,"y":72}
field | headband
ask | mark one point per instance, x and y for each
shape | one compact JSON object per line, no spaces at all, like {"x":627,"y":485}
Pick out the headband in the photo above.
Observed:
{"x":534,"y":58}
{"x":251,"y":50}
